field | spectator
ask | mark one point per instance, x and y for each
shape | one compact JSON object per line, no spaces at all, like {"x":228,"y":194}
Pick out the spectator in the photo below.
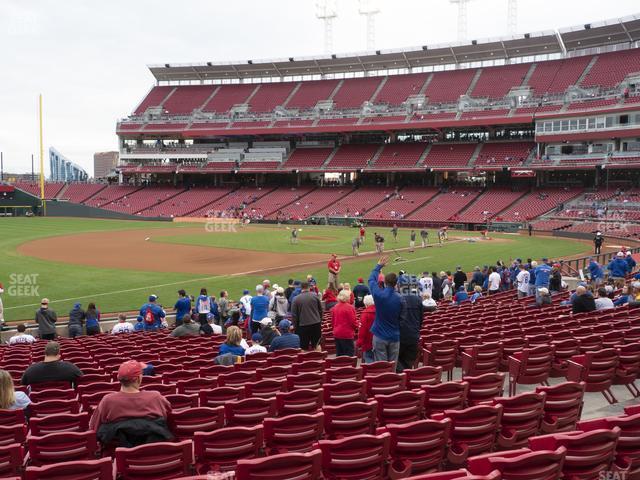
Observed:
{"x":52,"y":369}
{"x":555,"y":280}
{"x":131,"y":417}
{"x":522,"y":281}
{"x":210,"y":328}
{"x":122,"y":326}
{"x":334,"y":270}
{"x":343,"y":317}
{"x":187,"y":328}
{"x":224,"y":306}
{"x":426,"y":283}
{"x":631,"y":263}
{"x":494,"y":281}
{"x":477,"y":293}
{"x":203,"y":306}
{"x":582,"y":301}
{"x":602,"y":301}
{"x":259,"y":308}
{"x":152,"y":314}
{"x":21,"y":337}
{"x":245,"y":301}
{"x":139,"y":326}
{"x":297,"y":289}
{"x":93,"y":319}
{"x":365,"y":337}
{"x":477,"y":278}
{"x":542,"y":274}
{"x":436,"y":292}
{"x":624,"y":298}
{"x":256,"y":346}
{"x":182,"y":306}
{"x":347,"y":286}
{"x":410,"y":322}
{"x":267,"y":331}
{"x":289,"y":290}
{"x":10,"y":399}
{"x":306,"y":315}
{"x":386,"y":326}
{"x":359,"y":292}
{"x":543,"y":297}
{"x":618,"y":268}
{"x":446,"y":285}
{"x":428,"y":303}
{"x":232,"y":343}
{"x":330,"y":297}
{"x":286,"y":338}
{"x":459,"y":278}
{"x":595,"y":272}
{"x":460,"y":296}
{"x":46,"y":320}
{"x":278,"y":305}
{"x":76,"y":320}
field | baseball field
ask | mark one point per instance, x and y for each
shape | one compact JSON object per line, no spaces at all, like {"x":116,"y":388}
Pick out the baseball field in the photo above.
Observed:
{"x":117,"y":264}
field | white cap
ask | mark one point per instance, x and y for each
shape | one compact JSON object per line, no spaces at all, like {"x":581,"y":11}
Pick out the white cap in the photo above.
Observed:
{"x":628,"y":254}
{"x":266,"y":321}
{"x":544,"y":290}
{"x":619,"y":254}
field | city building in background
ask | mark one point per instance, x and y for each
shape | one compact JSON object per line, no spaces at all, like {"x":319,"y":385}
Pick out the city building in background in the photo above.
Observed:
{"x":64,"y":170}
{"x":104,"y":164}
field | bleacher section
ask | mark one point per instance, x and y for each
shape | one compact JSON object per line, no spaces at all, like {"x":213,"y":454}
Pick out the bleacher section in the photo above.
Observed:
{"x":274,"y":201}
{"x":315,"y":201}
{"x":355,"y":91}
{"x":109,"y":194}
{"x":310,"y":93}
{"x":495,"y":82}
{"x":445,"y":206}
{"x":231,"y":204}
{"x":399,"y":87}
{"x":400,"y":155}
{"x":537,"y":203}
{"x":456,"y":155}
{"x":353,"y":156}
{"x":555,"y":76}
{"x":446,"y":87}
{"x":185,"y":202}
{"x":611,"y":68}
{"x":399,"y":205}
{"x":506,"y":154}
{"x":307,"y":158}
{"x":187,"y":98}
{"x":227,"y":96}
{"x":154,"y":98}
{"x":488,"y":205}
{"x":80,"y":192}
{"x":140,"y":200}
{"x":51,"y":189}
{"x":357,"y":203}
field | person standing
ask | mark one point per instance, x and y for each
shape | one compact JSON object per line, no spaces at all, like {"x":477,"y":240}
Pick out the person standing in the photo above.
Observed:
{"x":410,"y":324}
{"x":223,"y":306}
{"x":595,"y":272}
{"x":555,"y":279}
{"x":355,"y":245}
{"x":522,"y":279}
{"x":386,"y":326}
{"x":93,"y":319}
{"x":203,"y":306}
{"x":259,"y":308}
{"x":597,"y":243}
{"x":618,"y":268}
{"x":359,"y":292}
{"x":424,"y":236}
{"x":494,"y":281}
{"x":542,"y":272}
{"x":76,"y":320}
{"x":334,"y":270}
{"x":365,"y":337}
{"x":46,"y":320}
{"x":394,"y":232}
{"x":436,"y":292}
{"x":344,"y":322}
{"x":426,"y":283}
{"x":530,"y":230}
{"x":152,"y":314}
{"x":306,"y":315}
{"x":182,"y":306}
{"x":362,"y":235}
{"x":459,"y":278}
{"x":412,"y":241}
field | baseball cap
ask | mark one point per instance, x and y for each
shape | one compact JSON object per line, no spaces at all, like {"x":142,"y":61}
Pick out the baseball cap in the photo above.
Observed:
{"x":266,"y":282}
{"x":284,"y":325}
{"x":360,"y":280}
{"x":334,"y":255}
{"x":619,"y":254}
{"x":245,"y":292}
{"x":256,"y":337}
{"x":280,"y":290}
{"x":275,"y":286}
{"x":44,"y":301}
{"x":130,"y":370}
{"x":628,"y":255}
{"x":266,"y":321}
{"x":153,"y":298}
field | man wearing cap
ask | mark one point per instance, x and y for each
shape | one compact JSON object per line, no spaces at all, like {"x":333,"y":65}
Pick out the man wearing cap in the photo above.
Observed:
{"x":597,"y":243}
{"x":152,"y":314}
{"x":355,"y":245}
{"x":46,"y":320}
{"x":306,"y":315}
{"x":359,"y":292}
{"x":286,"y":338}
{"x":618,"y":268}
{"x":131,"y":417}
{"x":182,"y":307}
{"x":259,"y":308}
{"x":267,"y":331}
{"x":76,"y":320}
{"x":412,"y":240}
{"x":595,"y":272}
{"x":52,"y":369}
{"x":459,"y":278}
{"x":334,"y":270}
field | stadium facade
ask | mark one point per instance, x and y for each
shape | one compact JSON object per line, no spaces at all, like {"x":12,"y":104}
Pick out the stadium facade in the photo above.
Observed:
{"x":64,"y":170}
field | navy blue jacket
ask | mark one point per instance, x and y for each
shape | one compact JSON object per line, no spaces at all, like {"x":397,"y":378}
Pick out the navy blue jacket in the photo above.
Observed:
{"x":386,"y":325}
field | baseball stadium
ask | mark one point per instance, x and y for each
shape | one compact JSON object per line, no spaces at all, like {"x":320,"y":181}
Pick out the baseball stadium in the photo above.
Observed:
{"x":406,"y":263}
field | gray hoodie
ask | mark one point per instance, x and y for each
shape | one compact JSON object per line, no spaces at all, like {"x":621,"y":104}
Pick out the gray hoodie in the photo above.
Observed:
{"x":76,"y":316}
{"x":46,"y":320}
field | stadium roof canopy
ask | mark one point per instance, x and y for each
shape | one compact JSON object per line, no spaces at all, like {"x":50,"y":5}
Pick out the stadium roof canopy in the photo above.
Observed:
{"x":601,"y":34}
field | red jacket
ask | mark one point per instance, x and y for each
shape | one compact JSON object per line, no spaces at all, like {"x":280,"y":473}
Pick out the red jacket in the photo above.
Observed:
{"x":343,"y":317}
{"x":365,"y":337}
{"x":329,"y":296}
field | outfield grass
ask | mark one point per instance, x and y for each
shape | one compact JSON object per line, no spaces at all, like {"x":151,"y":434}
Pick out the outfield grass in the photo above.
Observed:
{"x":116,"y":290}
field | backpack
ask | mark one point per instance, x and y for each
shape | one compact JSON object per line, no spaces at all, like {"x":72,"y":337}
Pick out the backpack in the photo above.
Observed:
{"x":148,"y":316}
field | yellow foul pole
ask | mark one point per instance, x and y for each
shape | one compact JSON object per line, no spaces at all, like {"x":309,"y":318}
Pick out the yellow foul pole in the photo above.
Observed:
{"x":42,"y":199}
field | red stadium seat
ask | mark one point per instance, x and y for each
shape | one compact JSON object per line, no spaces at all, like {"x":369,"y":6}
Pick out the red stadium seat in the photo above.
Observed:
{"x":62,"y":447}
{"x":400,"y":407}
{"x":250,"y":411}
{"x":562,"y":406}
{"x":338,"y":374}
{"x":305,"y":380}
{"x":531,"y":365}
{"x":195,"y":385}
{"x":218,"y":397}
{"x":521,"y":418}
{"x":336,"y":362}
{"x":273,"y":373}
{"x":11,"y":457}
{"x":376,"y":368}
{"x":628,"y":370}
{"x":355,"y":418}
{"x":221,"y":449}
{"x":596,"y":369}
{"x":417,"y":377}
{"x":484,"y":387}
{"x":445,"y":396}
{"x":50,"y":407}
{"x":344,"y":392}
{"x":179,"y":401}
{"x":164,"y":388}
{"x":461,"y":474}
{"x":89,"y":469}
{"x":442,"y":353}
{"x":185,"y":423}
{"x":386,"y":383}
{"x":520,"y":464}
{"x":481,"y":359}
{"x":301,"y":466}
{"x":264,"y":388}
{"x":301,"y":401}
{"x":158,"y":461}
{"x":357,"y":457}
{"x":306,"y":366}
{"x":293,"y":433}
{"x":53,"y":394}
{"x":62,"y":422}
{"x":236,"y":379}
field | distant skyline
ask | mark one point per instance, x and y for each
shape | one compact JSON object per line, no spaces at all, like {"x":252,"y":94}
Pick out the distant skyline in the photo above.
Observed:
{"x":89,"y":59}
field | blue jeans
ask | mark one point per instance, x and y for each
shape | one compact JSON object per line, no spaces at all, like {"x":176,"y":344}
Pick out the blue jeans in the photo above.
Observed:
{"x":367,"y":357}
{"x":385,"y":351}
{"x":75,"y":331}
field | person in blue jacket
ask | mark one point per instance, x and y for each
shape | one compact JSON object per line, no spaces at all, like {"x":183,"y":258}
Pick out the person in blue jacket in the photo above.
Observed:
{"x":182,"y":307}
{"x":630,"y":262}
{"x":461,"y":296}
{"x":386,"y":325}
{"x":595,"y":272}
{"x":152,"y":314}
{"x":618,"y":267}
{"x":139,"y":326}
{"x":542,"y":272}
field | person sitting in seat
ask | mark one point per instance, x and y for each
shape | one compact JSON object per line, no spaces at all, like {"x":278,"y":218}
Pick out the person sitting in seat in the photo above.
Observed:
{"x":52,"y":369}
{"x":186,"y":328}
{"x":286,"y":338}
{"x":131,"y":417}
{"x":10,"y":399}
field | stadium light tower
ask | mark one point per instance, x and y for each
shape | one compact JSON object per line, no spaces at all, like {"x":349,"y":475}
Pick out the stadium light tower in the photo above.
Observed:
{"x":327,"y":12}
{"x":512,"y":17}
{"x":369,"y":9}
{"x":462,"y":18}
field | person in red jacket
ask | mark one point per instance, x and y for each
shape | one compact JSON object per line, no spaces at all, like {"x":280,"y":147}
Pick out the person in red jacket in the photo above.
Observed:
{"x":343,"y":318}
{"x":329,"y":297}
{"x":365,"y":337}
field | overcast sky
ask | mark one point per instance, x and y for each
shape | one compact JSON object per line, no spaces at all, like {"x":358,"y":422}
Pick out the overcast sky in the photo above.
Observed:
{"x":88,"y":58}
